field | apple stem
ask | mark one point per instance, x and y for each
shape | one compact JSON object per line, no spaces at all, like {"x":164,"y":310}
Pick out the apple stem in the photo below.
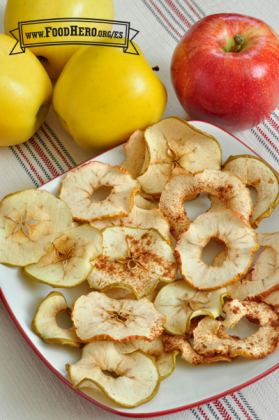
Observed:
{"x":238,"y":39}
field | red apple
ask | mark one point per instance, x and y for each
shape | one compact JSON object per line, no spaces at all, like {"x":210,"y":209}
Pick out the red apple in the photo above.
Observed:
{"x":233,"y":89}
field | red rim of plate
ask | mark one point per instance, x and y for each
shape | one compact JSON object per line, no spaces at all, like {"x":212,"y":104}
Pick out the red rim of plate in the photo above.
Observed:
{"x":111,"y":410}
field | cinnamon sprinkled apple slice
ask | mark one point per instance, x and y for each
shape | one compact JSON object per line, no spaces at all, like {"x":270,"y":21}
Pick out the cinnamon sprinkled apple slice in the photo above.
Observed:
{"x":136,"y":259}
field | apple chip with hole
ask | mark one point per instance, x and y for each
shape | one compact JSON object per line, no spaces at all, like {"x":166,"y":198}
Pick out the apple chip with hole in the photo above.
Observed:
{"x":136,"y":259}
{"x":172,"y":147}
{"x":141,"y":216}
{"x":263,"y":279}
{"x":45,"y":323}
{"x":97,"y":317}
{"x":79,"y":185}
{"x":68,"y":261}
{"x":232,"y":229}
{"x":180,"y":302}
{"x":135,"y":151}
{"x":224,"y":185}
{"x":29,"y":221}
{"x":165,"y":361}
{"x":188,"y":354}
{"x":127,"y":379}
{"x":258,"y":174}
{"x":210,"y":336}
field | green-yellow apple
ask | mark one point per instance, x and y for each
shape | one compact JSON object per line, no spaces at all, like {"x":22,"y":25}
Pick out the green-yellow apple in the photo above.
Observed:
{"x":54,"y":57}
{"x":225,"y":70}
{"x":103,"y":95}
{"x":25,"y":94}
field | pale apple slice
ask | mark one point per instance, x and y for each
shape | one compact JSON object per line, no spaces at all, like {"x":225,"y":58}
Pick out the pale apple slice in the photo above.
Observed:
{"x":210,"y":337}
{"x":180,"y":302}
{"x":29,"y":221}
{"x":68,"y":261}
{"x":135,"y":151}
{"x":97,"y":317}
{"x":188,"y":354}
{"x":143,"y":215}
{"x":257,"y":173}
{"x":230,"y":228}
{"x":173,"y":146}
{"x":135,"y":259}
{"x":263,"y":279}
{"x":79,"y":185}
{"x":45,"y":324}
{"x":127,"y":379}
{"x":224,"y":185}
{"x":165,"y":361}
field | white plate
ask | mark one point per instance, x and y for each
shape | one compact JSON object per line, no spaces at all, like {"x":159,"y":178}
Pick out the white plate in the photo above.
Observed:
{"x":188,"y":386}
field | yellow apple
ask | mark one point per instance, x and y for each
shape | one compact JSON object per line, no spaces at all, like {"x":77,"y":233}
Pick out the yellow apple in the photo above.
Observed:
{"x":103,"y":95}
{"x":25,"y":94}
{"x":55,"y":57}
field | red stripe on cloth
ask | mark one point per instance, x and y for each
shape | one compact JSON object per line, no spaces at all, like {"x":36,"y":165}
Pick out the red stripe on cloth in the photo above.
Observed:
{"x":222,"y":410}
{"x":236,"y":400}
{"x":192,"y":8}
{"x":178,"y":13}
{"x":203,"y":413}
{"x":33,"y":169}
{"x":164,"y":17}
{"x":44,"y":158}
{"x":268,"y":139}
{"x":273,"y":124}
{"x":55,"y":147}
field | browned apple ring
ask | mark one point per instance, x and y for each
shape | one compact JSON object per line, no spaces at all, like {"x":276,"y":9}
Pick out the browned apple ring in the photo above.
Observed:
{"x":211,"y":339}
{"x":224,"y":185}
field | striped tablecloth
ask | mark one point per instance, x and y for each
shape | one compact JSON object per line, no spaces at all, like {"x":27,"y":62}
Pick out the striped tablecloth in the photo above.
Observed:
{"x":28,"y":390}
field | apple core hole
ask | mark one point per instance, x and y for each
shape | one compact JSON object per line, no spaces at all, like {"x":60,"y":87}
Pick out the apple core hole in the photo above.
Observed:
{"x":210,"y":251}
{"x":254,"y":194}
{"x":101,"y":193}
{"x":197,"y":206}
{"x":63,"y":320}
{"x":244,"y":328}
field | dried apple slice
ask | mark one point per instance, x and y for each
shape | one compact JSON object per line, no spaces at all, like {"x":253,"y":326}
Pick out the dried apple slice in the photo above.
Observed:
{"x":68,"y":261}
{"x":173,"y":146}
{"x":45,"y":324}
{"x":224,"y":185}
{"x":263,"y":279}
{"x":210,"y":337}
{"x":165,"y":361}
{"x":97,"y":317}
{"x":140,"y":217}
{"x":127,"y":379}
{"x":29,"y":221}
{"x":230,"y":228}
{"x":180,"y":302}
{"x":135,"y":259}
{"x":135,"y":151}
{"x":79,"y":185}
{"x":188,"y":354}
{"x":258,"y":174}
